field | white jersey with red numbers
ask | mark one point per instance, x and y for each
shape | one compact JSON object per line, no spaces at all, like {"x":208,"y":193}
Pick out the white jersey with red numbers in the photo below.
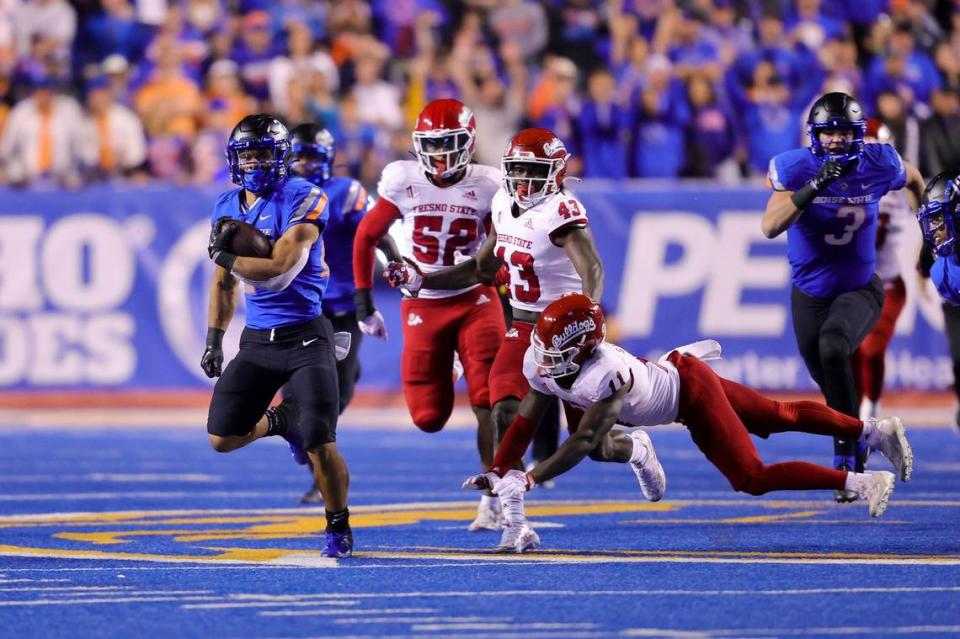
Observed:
{"x":540,"y":271}
{"x":653,"y":397}
{"x":443,"y":226}
{"x":894,"y":213}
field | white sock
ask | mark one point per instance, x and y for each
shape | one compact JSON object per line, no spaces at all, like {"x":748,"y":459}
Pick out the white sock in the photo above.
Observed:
{"x":855,"y":482}
{"x":869,"y":434}
{"x":640,"y":452}
{"x":868,"y":409}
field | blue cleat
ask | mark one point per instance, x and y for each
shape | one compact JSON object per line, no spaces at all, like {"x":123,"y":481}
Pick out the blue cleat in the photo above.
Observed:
{"x":295,"y":442}
{"x":339,"y":545}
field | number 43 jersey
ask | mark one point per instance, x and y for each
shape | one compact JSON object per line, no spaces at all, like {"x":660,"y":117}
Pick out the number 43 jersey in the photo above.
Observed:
{"x":832,"y":245}
{"x":442,"y":226}
{"x":540,"y":271}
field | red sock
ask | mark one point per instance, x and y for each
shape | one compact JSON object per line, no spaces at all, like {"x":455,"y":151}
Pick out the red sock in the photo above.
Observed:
{"x":514,"y":444}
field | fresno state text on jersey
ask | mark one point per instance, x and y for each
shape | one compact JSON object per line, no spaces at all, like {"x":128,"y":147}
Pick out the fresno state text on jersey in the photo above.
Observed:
{"x":443,"y":225}
{"x":540,"y":271}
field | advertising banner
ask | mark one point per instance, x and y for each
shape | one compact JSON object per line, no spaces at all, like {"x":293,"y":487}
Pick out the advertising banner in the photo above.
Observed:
{"x":107,"y":288}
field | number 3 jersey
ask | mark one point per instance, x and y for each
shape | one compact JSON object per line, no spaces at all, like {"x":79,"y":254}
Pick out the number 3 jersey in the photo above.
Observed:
{"x":540,"y":271}
{"x":444,"y":226}
{"x":652,"y":398}
{"x":832,"y":245}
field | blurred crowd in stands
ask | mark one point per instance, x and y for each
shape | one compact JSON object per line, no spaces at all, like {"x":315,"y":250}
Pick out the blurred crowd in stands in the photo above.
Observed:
{"x":146,"y":90}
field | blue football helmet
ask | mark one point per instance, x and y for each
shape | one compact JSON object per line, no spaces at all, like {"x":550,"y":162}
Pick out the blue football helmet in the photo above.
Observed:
{"x":938,"y":215}
{"x":836,"y":111}
{"x":258,"y":153}
{"x":312,"y":151}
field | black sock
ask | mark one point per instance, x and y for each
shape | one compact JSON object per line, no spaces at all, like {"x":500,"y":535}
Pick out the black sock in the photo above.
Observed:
{"x":338,"y":522}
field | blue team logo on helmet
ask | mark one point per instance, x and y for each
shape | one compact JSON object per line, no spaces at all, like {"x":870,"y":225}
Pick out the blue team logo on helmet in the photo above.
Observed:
{"x":312,"y":151}
{"x":938,"y":215}
{"x":257,"y":153}
{"x":836,"y":111}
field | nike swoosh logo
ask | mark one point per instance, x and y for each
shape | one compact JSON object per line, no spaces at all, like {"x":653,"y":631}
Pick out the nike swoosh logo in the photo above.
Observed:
{"x":266,"y":217}
{"x":308,"y":342}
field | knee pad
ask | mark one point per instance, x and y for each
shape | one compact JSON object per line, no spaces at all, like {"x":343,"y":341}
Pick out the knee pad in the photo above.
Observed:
{"x":834,"y":347}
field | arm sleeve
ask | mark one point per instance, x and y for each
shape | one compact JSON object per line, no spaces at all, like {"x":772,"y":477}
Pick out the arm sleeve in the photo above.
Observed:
{"x":308,"y":205}
{"x":372,"y":227}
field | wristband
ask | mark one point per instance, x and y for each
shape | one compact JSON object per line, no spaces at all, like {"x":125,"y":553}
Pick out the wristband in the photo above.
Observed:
{"x":225,"y":260}
{"x":531,"y":482}
{"x":804,"y":197}
{"x":214,"y":337}
{"x":363,"y":302}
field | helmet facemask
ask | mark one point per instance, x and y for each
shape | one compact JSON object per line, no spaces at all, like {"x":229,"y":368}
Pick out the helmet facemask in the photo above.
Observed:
{"x":312,"y":161}
{"x":530,"y":180}
{"x":555,"y":362}
{"x":853,"y":148}
{"x":938,"y":221}
{"x":257,"y":165}
{"x":454,"y":147}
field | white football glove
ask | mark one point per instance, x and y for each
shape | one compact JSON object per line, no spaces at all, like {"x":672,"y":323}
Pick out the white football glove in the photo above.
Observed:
{"x":373,"y":325}
{"x":405,"y":274}
{"x":483,"y":481}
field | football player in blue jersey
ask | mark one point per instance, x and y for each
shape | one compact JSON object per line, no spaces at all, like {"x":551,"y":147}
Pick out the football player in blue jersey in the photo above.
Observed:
{"x":940,"y":224}
{"x":826,"y":198}
{"x":287,"y":340}
{"x":312,"y":153}
{"x":939,"y":218}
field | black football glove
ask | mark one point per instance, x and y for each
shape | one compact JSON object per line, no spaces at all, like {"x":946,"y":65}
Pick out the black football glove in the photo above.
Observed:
{"x":212,"y":360}
{"x":363,"y":300}
{"x":829,"y":171}
{"x":220,"y":234}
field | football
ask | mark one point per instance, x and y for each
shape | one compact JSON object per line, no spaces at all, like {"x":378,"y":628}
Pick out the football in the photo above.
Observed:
{"x":248,"y":241}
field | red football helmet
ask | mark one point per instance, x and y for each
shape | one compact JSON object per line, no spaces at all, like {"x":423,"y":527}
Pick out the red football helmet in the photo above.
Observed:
{"x":877,"y":131}
{"x":534,"y":166}
{"x":568,"y":332}
{"x":445,"y":137}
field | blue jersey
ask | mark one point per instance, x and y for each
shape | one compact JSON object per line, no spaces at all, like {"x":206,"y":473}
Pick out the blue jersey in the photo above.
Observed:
{"x":945,"y":274}
{"x":294,"y":201}
{"x":348,"y":205}
{"x":832,"y":245}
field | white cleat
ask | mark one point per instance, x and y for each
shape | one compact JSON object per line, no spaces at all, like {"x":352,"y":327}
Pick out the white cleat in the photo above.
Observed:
{"x":489,"y":517}
{"x":518,"y":539}
{"x":890,"y":438}
{"x":653,"y":481}
{"x":876,"y":489}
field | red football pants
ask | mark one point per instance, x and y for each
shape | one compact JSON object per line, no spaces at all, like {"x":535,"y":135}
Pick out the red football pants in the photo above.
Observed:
{"x":470,"y":323}
{"x":721,"y":415}
{"x":868,"y":360}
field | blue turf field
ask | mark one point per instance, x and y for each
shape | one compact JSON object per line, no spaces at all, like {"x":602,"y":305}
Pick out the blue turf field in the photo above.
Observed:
{"x":148,"y":533}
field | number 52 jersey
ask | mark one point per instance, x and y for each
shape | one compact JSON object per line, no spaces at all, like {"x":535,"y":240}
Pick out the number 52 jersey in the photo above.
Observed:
{"x":832,"y":245}
{"x":444,"y":226}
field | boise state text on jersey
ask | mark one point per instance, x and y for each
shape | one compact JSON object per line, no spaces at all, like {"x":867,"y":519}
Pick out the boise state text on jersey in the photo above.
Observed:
{"x":347,"y":203}
{"x":832,"y":245}
{"x":293,"y":201}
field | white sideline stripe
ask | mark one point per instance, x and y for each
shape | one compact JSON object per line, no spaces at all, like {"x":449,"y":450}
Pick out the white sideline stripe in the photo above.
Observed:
{"x":267,"y":604}
{"x":390,"y":418}
{"x":84,"y":602}
{"x":803,"y":632}
{"x":348,"y":611}
{"x":378,"y":620}
{"x":501,"y":626}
